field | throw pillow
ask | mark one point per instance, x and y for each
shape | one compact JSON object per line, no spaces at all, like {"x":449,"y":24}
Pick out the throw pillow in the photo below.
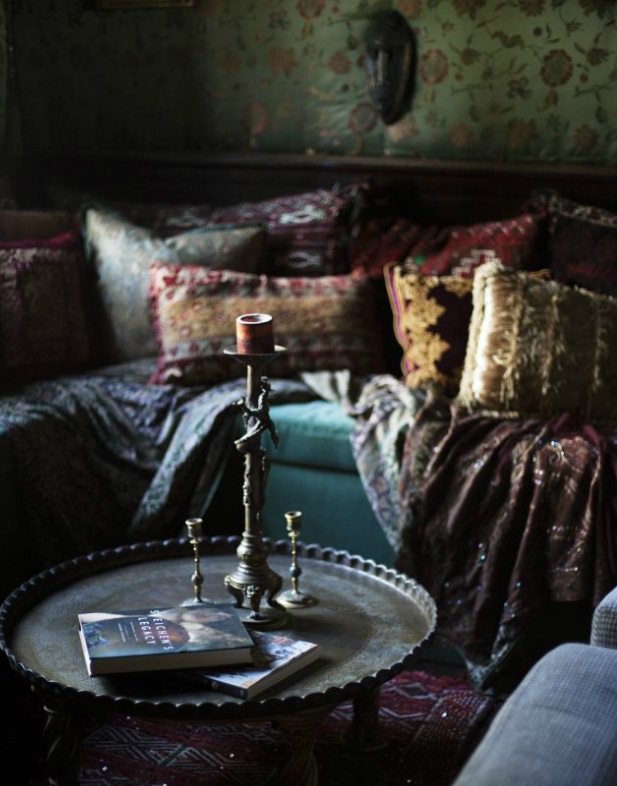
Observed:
{"x":43,"y":326}
{"x":459,"y":250}
{"x":540,"y":348}
{"x":121,"y":253}
{"x":380,"y":240}
{"x":431,"y":320}
{"x":325,"y":323}
{"x":582,"y":245}
{"x":307,"y":233}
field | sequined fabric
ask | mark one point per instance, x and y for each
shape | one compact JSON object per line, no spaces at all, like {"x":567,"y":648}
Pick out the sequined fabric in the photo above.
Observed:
{"x":509,"y":518}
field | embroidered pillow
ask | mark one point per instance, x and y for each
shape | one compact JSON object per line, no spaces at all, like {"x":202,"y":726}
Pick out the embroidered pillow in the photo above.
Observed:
{"x":307,"y":233}
{"x":431,"y":319}
{"x":121,"y":253}
{"x":583,"y":245}
{"x":325,"y":323}
{"x":459,"y":250}
{"x":43,"y":326}
{"x":540,"y":348}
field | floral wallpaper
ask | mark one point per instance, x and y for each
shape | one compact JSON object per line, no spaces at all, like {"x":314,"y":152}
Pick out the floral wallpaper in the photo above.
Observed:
{"x":513,"y":80}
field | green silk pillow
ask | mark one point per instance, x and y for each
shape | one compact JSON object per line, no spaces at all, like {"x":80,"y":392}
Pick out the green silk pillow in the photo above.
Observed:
{"x":539,"y":348}
{"x":121,"y":253}
{"x":324,"y":322}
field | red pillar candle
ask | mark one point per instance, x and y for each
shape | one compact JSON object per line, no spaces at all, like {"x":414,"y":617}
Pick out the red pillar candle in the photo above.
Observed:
{"x":254,"y":334}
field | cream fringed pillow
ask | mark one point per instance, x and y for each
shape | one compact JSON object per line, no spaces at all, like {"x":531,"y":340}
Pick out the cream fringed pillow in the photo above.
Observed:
{"x":540,"y":348}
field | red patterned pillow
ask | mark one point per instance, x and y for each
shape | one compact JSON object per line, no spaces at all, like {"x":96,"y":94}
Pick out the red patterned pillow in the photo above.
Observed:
{"x":582,"y":245}
{"x":459,"y":250}
{"x":307,"y":233}
{"x":380,"y":240}
{"x":43,"y":326}
{"x":431,"y":323}
{"x":325,"y":323}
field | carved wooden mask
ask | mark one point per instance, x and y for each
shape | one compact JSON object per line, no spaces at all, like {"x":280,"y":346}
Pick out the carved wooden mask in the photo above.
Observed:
{"x":390,"y":64}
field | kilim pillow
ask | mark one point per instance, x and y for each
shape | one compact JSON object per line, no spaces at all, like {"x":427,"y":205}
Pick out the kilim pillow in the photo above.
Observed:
{"x":459,"y":250}
{"x":325,"y":323}
{"x":540,"y":348}
{"x":431,"y":317}
{"x":121,"y":253}
{"x":307,"y":233}
{"x":43,"y":326}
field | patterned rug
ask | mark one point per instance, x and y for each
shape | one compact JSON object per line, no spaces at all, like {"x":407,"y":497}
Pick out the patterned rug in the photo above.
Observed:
{"x":431,"y":724}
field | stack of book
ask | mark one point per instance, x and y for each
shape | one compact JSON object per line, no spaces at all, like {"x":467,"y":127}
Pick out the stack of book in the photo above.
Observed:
{"x":206,"y":643}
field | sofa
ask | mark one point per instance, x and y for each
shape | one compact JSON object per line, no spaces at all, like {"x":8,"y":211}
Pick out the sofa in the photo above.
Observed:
{"x":438,"y":406}
{"x":558,"y":726}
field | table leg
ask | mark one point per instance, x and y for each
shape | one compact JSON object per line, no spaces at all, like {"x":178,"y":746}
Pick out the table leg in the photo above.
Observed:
{"x":364,"y":732}
{"x":61,"y":742}
{"x":299,"y":731}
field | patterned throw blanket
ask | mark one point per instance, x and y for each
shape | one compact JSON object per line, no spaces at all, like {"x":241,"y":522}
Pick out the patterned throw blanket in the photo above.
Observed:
{"x":105,"y":458}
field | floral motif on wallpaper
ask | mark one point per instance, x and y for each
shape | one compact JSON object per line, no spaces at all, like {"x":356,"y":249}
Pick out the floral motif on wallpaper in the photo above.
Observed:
{"x":532,"y":80}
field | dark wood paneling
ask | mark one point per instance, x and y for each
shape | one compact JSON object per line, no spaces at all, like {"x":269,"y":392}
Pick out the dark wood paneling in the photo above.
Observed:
{"x":438,"y":191}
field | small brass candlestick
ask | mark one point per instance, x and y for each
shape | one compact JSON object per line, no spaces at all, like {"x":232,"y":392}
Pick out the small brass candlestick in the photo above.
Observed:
{"x":253,"y":579}
{"x":194,"y":528}
{"x":293,"y":598}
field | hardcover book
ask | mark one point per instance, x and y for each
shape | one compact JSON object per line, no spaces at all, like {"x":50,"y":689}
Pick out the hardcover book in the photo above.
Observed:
{"x":203,"y":634}
{"x":275,"y":657}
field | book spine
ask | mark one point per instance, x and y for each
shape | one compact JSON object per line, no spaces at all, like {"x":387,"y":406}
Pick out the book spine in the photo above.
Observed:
{"x":214,"y":684}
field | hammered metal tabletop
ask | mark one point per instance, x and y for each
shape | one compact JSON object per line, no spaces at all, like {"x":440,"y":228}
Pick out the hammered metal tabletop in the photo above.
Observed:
{"x":369,"y":622}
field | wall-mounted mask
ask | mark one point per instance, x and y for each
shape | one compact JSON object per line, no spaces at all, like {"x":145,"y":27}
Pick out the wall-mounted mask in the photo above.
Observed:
{"x":390,"y":64}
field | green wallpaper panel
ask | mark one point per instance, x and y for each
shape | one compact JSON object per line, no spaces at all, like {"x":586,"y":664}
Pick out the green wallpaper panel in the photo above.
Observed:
{"x":518,"y":80}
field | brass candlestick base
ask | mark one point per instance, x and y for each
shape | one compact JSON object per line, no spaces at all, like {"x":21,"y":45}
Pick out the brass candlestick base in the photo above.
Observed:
{"x":293,"y":598}
{"x":253,"y":579}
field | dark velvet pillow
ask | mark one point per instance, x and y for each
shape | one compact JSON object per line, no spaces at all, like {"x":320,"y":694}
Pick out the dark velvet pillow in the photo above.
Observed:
{"x":43,"y":308}
{"x":431,"y":317}
{"x":582,"y":245}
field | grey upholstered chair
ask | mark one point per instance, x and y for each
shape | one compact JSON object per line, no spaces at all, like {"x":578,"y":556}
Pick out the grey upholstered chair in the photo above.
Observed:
{"x":559,"y":726}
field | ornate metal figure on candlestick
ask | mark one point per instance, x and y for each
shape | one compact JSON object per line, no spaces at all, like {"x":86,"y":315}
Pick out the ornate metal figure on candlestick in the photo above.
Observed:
{"x":253,"y":579}
{"x":294,"y":598}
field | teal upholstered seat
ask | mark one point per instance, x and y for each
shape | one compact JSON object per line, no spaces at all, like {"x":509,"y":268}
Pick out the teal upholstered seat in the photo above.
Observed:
{"x":313,"y":470}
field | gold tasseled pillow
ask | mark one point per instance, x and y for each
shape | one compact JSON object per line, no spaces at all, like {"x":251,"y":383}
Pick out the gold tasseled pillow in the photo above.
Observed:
{"x":539,"y":348}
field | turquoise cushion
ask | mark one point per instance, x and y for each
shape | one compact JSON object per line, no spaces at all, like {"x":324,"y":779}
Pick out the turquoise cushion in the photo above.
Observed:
{"x":312,"y":434}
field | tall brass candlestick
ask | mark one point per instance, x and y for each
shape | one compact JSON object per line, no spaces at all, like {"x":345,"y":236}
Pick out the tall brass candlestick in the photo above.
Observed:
{"x":253,"y":579}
